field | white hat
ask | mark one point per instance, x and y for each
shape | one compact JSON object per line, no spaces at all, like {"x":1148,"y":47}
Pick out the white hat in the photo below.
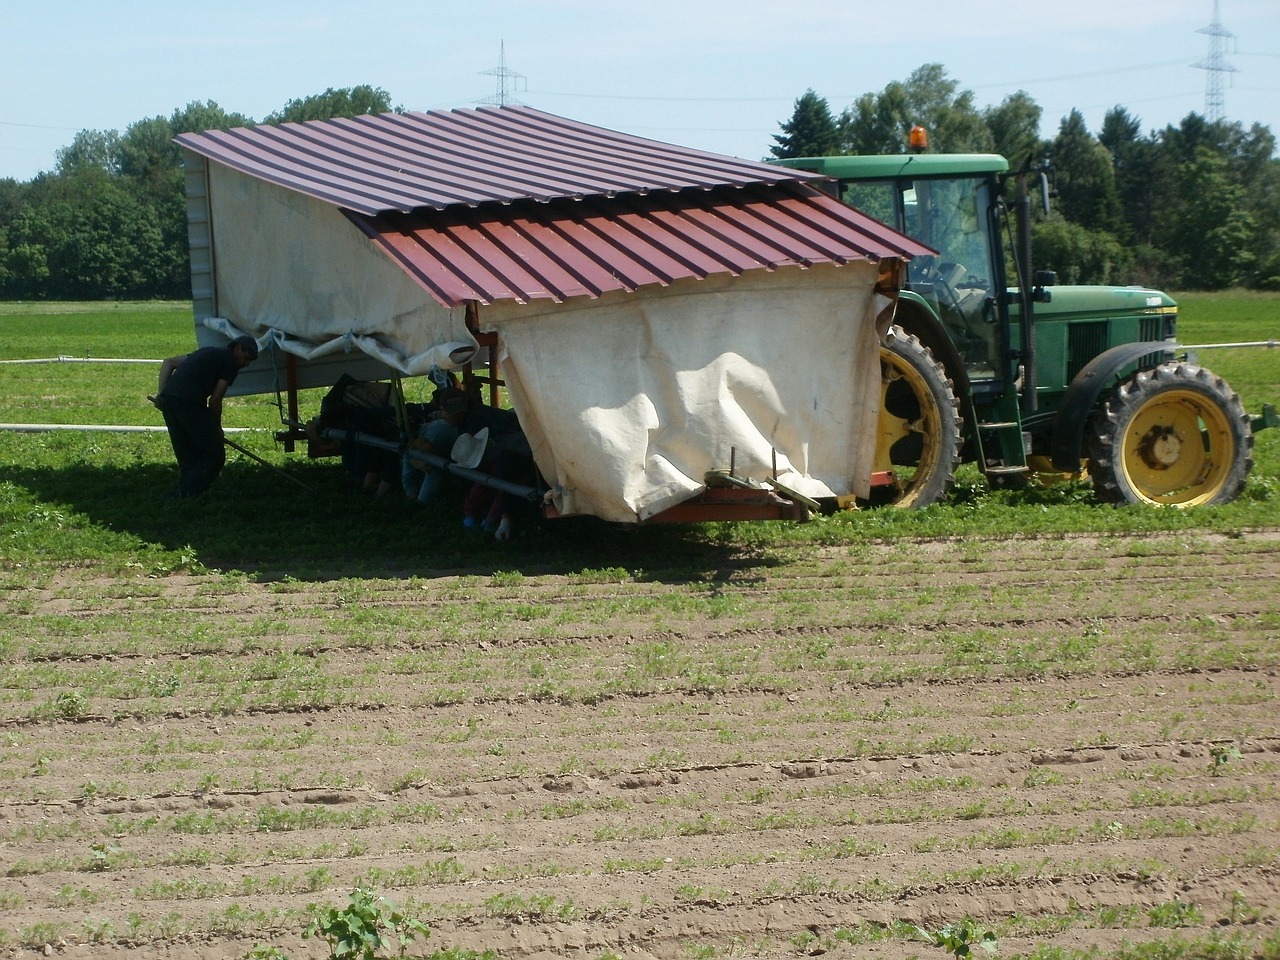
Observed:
{"x":468,"y":450}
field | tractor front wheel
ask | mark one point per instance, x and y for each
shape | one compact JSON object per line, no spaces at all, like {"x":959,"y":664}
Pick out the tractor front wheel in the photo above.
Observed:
{"x":918,"y":442}
{"x":1173,"y":435}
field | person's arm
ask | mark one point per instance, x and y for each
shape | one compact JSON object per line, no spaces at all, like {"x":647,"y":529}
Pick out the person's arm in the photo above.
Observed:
{"x":215,"y":401}
{"x":166,"y":370}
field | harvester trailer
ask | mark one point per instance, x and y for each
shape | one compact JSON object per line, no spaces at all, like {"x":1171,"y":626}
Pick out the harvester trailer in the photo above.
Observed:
{"x":637,"y":335}
{"x":1021,"y":376}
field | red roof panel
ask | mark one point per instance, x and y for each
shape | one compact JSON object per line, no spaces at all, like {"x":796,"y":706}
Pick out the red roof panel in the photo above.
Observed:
{"x":569,"y":248}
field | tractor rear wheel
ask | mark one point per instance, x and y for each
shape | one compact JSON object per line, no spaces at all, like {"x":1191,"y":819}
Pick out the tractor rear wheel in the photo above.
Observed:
{"x":918,"y":441}
{"x":1173,"y":435}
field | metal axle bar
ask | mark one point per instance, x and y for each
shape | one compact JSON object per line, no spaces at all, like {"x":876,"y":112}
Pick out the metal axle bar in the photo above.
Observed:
{"x":531,"y":494}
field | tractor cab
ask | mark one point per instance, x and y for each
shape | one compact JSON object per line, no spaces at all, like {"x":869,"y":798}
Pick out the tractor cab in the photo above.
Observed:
{"x":953,"y":208}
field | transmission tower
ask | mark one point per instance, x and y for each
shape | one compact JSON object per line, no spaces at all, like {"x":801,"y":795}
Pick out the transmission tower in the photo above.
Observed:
{"x":507,"y":80}
{"x":1215,"y":65}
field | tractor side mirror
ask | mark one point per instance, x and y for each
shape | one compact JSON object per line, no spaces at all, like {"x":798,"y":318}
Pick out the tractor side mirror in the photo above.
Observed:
{"x":1042,"y":279}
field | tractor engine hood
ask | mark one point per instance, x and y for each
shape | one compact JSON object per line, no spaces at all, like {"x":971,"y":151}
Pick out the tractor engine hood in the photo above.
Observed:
{"x":1097,"y":302}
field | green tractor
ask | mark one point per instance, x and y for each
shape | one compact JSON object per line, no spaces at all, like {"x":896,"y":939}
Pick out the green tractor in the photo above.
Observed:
{"x":1018,"y":375}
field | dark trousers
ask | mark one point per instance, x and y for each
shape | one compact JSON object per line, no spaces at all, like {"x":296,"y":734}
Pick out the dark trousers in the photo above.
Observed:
{"x":197,"y":445}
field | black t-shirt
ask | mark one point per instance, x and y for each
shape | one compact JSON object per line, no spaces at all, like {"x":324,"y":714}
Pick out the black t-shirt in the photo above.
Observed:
{"x":200,"y":372}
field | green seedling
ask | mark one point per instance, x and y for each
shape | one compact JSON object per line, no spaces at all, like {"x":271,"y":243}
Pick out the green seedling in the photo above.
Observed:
{"x":367,"y":925}
{"x":1176,"y":913}
{"x":70,"y":705}
{"x":1221,"y":756}
{"x":102,"y":855}
{"x":959,"y":939}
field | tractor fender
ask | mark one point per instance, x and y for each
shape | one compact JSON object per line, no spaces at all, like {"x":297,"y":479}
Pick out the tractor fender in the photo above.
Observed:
{"x":916,"y":318}
{"x":1081,"y":398}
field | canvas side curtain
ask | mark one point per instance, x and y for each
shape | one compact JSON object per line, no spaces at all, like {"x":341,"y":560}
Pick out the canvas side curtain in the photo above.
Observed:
{"x":629,"y":400}
{"x":295,"y":271}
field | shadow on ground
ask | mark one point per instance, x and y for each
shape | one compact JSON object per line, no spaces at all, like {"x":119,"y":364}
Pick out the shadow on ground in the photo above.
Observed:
{"x":257,"y":521}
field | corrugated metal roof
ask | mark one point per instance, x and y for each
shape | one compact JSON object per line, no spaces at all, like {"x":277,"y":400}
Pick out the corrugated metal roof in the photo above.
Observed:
{"x":569,"y":248}
{"x":509,"y":203}
{"x":376,"y":163}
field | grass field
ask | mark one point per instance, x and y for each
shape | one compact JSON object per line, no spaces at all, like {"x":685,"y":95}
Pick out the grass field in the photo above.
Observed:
{"x":881,"y":734}
{"x":97,"y":482}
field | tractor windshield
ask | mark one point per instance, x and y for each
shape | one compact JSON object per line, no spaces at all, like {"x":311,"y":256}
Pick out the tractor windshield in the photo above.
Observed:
{"x":960,"y":284}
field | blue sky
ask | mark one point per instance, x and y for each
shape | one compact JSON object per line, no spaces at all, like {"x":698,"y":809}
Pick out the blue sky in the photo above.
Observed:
{"x":712,"y":74}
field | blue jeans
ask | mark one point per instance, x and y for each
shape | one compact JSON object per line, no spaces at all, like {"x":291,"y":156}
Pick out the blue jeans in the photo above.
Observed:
{"x":421,"y":482}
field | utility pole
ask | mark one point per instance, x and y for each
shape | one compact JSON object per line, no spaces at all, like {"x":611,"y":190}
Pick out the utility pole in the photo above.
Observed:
{"x":507,"y":80}
{"x":1215,"y":64}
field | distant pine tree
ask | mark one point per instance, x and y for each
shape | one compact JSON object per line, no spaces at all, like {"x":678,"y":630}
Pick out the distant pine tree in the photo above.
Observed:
{"x":811,"y":131}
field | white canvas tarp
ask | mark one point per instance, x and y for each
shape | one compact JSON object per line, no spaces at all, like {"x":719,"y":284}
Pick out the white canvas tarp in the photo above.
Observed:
{"x":295,"y":271}
{"x":628,"y":401}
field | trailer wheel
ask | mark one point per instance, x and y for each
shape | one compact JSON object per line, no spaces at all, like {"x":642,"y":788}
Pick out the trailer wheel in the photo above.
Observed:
{"x":1174,"y":435}
{"x":918,"y":444}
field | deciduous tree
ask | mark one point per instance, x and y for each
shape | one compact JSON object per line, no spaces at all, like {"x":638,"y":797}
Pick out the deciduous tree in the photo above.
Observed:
{"x":880,"y":123}
{"x":1015,"y":129}
{"x":345,"y":102}
{"x":90,"y":150}
{"x":1080,"y":255}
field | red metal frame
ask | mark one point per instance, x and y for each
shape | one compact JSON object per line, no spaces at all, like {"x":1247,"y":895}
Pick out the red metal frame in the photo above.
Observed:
{"x":489,"y":341}
{"x":731,"y":503}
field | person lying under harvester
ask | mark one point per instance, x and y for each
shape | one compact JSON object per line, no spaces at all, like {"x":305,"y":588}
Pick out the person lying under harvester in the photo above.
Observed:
{"x":436,"y":435}
{"x":500,"y":449}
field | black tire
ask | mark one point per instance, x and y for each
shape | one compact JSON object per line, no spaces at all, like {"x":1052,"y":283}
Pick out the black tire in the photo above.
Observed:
{"x":919,"y":435}
{"x":1175,"y":435}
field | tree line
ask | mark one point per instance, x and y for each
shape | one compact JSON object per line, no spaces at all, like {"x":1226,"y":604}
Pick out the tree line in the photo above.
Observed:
{"x":109,"y":222}
{"x":1195,"y":206}
{"x":1192,"y":206}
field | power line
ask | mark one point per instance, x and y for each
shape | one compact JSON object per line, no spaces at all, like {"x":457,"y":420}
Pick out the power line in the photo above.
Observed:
{"x":1132,"y":68}
{"x":1003,"y":84}
{"x":611,"y":96}
{"x":35,"y":126}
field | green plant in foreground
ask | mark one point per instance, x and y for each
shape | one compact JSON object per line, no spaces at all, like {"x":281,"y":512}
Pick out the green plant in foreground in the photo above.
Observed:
{"x":69,"y":705}
{"x":103,"y":855}
{"x":367,"y":924}
{"x":1241,"y":912}
{"x":1221,"y":755}
{"x":1176,"y":913}
{"x":958,"y":939}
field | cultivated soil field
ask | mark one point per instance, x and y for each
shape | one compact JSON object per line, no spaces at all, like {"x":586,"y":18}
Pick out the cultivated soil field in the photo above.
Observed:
{"x":1071,"y":741}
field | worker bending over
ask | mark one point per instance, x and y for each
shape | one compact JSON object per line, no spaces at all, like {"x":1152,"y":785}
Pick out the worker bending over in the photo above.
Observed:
{"x":190,"y":397}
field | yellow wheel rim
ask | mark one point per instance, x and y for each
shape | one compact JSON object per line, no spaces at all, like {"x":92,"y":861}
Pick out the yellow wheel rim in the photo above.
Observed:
{"x":1178,"y":449}
{"x":899,"y":419}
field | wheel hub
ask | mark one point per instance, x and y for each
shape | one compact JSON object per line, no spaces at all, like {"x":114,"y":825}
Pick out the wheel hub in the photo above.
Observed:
{"x":1161,"y":448}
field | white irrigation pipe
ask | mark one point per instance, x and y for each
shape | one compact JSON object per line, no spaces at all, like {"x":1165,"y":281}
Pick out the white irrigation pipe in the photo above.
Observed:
{"x":1218,"y":346}
{"x":90,"y":427}
{"x":97,"y":428}
{"x":80,"y":360}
